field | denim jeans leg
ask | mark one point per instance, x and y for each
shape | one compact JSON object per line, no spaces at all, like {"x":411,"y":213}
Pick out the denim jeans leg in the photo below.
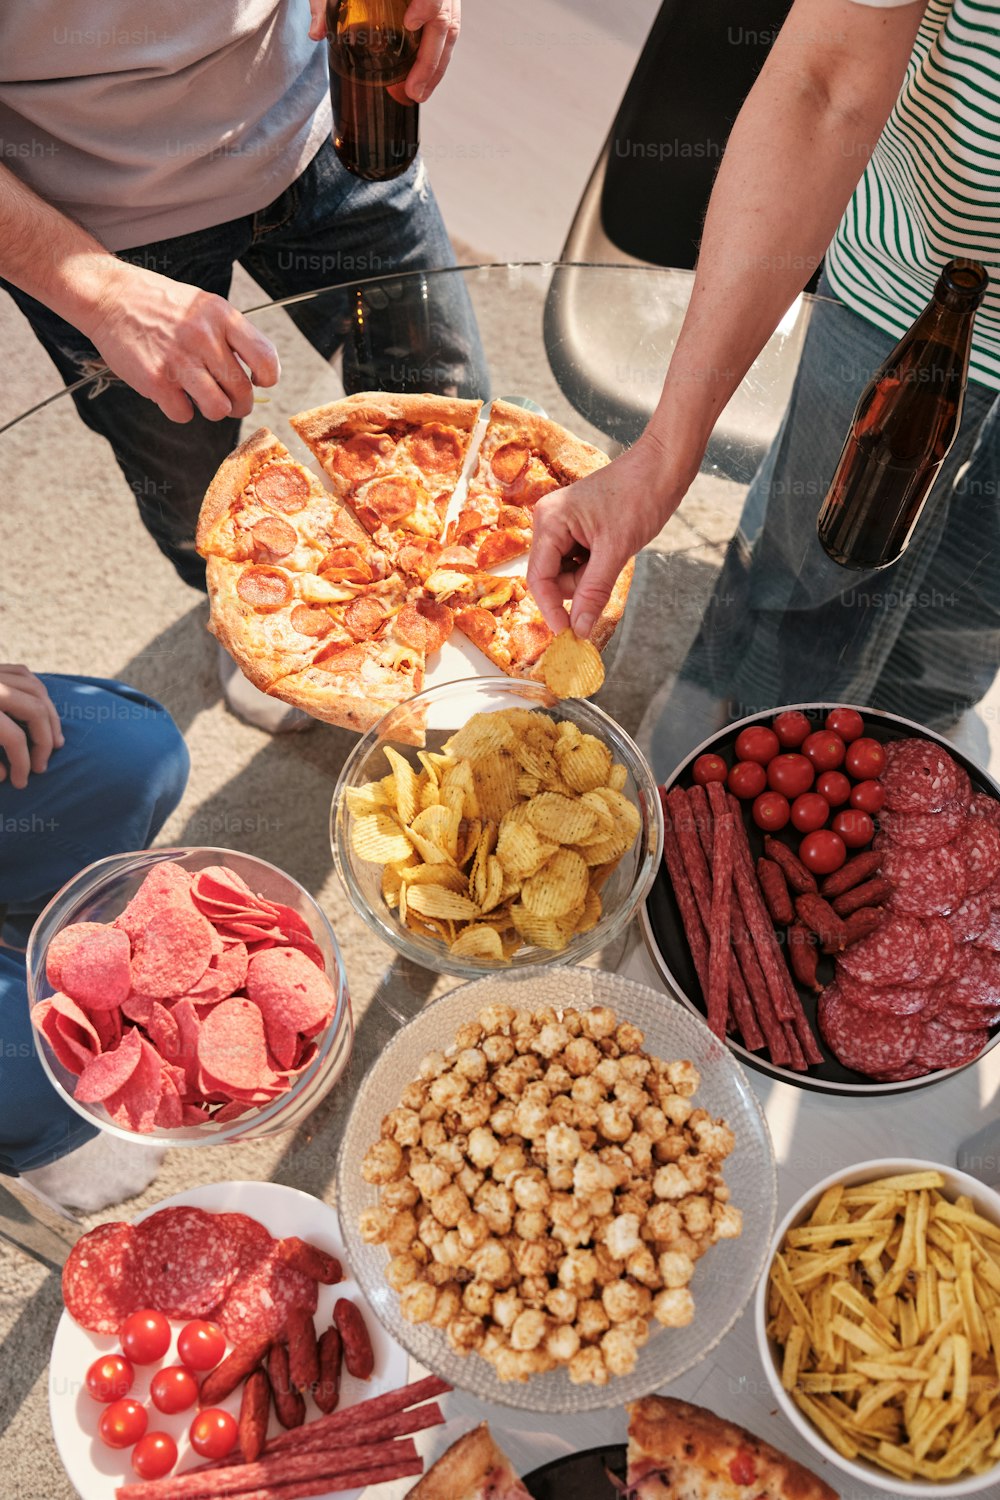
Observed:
{"x":416,"y":334}
{"x":167,"y":465}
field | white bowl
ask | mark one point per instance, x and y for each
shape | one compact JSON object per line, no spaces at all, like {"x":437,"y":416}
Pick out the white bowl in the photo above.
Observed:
{"x":986,"y":1202}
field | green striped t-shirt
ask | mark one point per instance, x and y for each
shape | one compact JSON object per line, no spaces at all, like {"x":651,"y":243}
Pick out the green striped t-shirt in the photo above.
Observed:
{"x":932,"y":187}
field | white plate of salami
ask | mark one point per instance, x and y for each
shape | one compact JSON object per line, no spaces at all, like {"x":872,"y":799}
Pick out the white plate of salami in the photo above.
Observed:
{"x":197,"y":1244}
{"x":862,"y":938}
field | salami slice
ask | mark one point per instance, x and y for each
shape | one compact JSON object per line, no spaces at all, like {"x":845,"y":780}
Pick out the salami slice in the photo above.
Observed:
{"x":508,"y":461}
{"x":887,"y":1000}
{"x":904,"y":950}
{"x":275,"y":536}
{"x":975,"y":979}
{"x":258,"y":1303}
{"x":990,"y":935}
{"x":264,"y":589}
{"x":187,"y":1262}
{"x":283,"y":486}
{"x":345,"y":565}
{"x":864,"y":1040}
{"x":527,"y":641}
{"x":978,"y":844}
{"x":919,"y":777}
{"x":971,"y":919}
{"x":927,"y":882}
{"x":500,"y":546}
{"x":100,"y":1284}
{"x":310,"y":621}
{"x":941,"y":1047}
{"x":424,"y":625}
{"x":393,"y":499}
{"x":362,"y":455}
{"x":966,"y":1018}
{"x":924,"y":830}
{"x":363,"y":617}
{"x":986,"y":807}
{"x":437,"y":449}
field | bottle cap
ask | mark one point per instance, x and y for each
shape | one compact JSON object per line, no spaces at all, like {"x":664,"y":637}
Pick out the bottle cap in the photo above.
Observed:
{"x":962,"y":284}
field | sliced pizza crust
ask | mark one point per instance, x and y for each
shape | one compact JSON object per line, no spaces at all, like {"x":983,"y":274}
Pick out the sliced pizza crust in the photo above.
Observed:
{"x":678,"y":1451}
{"x":473,"y":1468}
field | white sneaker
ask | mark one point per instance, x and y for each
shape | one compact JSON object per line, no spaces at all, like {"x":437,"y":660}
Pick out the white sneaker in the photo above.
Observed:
{"x":104,"y":1171}
{"x":254,"y":707}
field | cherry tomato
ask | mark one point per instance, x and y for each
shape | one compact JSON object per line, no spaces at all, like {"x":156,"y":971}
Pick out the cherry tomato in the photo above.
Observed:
{"x":757,"y":743}
{"x":173,"y":1389}
{"x":110,"y":1377}
{"x":865,"y":759}
{"x":855,"y":827}
{"x":822,"y":852}
{"x":770,"y":811}
{"x":834,"y":786}
{"x":791,"y":775}
{"x":868,"y":795}
{"x":825,"y":749}
{"x":122,"y":1423}
{"x":154,"y":1455}
{"x":213,"y":1432}
{"x":846,"y":722}
{"x":145,"y":1336}
{"x":809,"y":812}
{"x":709,"y":768}
{"x":747,"y":779}
{"x":791,"y":727}
{"x":201,"y":1345}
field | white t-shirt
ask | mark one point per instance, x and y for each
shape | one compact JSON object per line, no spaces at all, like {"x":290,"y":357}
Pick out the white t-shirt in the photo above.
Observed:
{"x":932,"y":187}
{"x":144,"y":121}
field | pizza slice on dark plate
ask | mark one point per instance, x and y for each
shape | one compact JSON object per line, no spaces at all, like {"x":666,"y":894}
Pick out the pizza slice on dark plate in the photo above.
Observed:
{"x":473,"y":1468}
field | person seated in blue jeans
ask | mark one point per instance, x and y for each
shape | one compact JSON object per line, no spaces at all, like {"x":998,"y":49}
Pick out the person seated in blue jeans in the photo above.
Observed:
{"x":88,"y":767}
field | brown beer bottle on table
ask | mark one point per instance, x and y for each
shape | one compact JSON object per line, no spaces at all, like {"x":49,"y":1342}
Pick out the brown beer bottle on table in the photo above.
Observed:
{"x":903,"y":426}
{"x":371,"y":52}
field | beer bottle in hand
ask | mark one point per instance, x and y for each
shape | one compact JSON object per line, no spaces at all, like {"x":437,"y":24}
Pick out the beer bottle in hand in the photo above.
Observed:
{"x":903,"y":426}
{"x":371,"y":52}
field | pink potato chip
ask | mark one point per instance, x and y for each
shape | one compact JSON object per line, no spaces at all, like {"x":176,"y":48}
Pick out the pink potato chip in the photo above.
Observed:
{"x":172,"y":953}
{"x":194,"y":1114}
{"x":137,"y":1008}
{"x":68,"y":1030}
{"x":282,"y":1039}
{"x":167,"y":884}
{"x":97,"y":970}
{"x":189,"y":1025}
{"x":164,"y":1033}
{"x":108,"y":1025}
{"x":170,"y":1110}
{"x":109,"y":1071}
{"x":289,"y":921}
{"x":135,"y":1104}
{"x":232,"y":1048}
{"x":219,"y":883}
{"x":224,"y":975}
{"x":286,"y":983}
{"x":62,"y":945}
{"x":232,"y":1111}
{"x":308,"y":946}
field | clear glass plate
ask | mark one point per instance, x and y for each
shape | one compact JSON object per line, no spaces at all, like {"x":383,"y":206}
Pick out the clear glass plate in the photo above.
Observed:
{"x":724,"y":1278}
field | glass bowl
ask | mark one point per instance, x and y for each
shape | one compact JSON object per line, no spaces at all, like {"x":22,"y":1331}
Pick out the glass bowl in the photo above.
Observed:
{"x":100,"y":892}
{"x":724,"y":1278}
{"x":427,"y":720}
{"x":986,"y":1202}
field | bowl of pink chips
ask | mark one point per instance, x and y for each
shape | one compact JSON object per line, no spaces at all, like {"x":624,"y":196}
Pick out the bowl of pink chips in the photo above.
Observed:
{"x":188,"y":996}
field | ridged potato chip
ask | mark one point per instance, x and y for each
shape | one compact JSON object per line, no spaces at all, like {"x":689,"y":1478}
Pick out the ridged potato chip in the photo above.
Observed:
{"x":559,"y":887}
{"x":561,"y":820}
{"x":543,"y":932}
{"x":437,"y":901}
{"x":461,"y":775}
{"x":617,"y":777}
{"x":585,"y":765}
{"x":521,"y":851}
{"x":378,"y":839}
{"x":624,"y":812}
{"x":367,"y":798}
{"x":487,"y":888}
{"x":404,"y":784}
{"x":390,"y":885}
{"x":483,"y":734}
{"x":571,"y":667}
{"x":496,"y":784}
{"x":443,"y":875}
{"x":478,"y":941}
{"x":468,"y":838}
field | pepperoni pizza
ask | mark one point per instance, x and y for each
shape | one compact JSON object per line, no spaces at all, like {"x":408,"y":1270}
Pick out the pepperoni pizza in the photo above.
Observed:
{"x":334,"y":602}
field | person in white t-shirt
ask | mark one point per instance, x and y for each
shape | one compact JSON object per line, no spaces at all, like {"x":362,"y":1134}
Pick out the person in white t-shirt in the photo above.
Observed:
{"x":905,"y":95}
{"x":146,"y":150}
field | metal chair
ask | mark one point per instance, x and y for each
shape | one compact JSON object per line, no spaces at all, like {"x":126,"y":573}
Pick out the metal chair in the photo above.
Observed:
{"x":644,"y":205}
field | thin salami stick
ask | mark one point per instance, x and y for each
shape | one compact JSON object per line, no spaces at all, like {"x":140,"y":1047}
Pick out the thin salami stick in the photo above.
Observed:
{"x":798,"y":1059}
{"x":719,"y":954}
{"x":774,"y":888}
{"x":768,"y":953}
{"x":404,"y":1469}
{"x":284,"y":1469}
{"x":323,"y":1432}
{"x":869,"y":893}
{"x":861,"y":867}
{"x":696,"y":818}
{"x":773,"y":1032}
{"x":686,"y":903}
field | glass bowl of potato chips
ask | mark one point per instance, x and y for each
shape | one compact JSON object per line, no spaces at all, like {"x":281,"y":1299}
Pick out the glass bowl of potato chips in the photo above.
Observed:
{"x":878,"y":1323}
{"x":486,"y":824}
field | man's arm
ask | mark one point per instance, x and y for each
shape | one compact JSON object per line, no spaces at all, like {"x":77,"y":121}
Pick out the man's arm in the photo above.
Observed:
{"x":172,"y":342}
{"x":796,"y":152}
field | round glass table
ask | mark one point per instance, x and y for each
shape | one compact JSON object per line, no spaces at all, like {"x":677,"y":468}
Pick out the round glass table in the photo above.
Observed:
{"x":732,"y":610}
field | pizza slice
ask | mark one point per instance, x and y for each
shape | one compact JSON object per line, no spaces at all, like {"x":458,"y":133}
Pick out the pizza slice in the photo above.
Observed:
{"x":522,"y":457}
{"x":473,"y":1468}
{"x":677,"y":1451}
{"x":394,"y":459}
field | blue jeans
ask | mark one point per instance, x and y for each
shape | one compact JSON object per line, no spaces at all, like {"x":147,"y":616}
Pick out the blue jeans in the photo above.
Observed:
{"x":328,"y":228}
{"x":110,"y":789}
{"x":785,"y":624}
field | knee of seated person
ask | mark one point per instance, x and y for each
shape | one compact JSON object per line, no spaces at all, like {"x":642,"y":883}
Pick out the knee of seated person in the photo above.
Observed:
{"x":132,"y":744}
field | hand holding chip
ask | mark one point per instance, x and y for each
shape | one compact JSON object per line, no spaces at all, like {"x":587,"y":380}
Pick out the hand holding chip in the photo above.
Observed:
{"x":29,"y":725}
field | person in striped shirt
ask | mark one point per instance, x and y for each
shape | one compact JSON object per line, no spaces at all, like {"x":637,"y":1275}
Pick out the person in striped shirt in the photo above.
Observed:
{"x":870,"y":141}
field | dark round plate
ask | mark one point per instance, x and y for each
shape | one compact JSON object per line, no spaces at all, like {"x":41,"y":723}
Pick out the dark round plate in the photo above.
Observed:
{"x":668,"y":946}
{"x":580,"y":1476}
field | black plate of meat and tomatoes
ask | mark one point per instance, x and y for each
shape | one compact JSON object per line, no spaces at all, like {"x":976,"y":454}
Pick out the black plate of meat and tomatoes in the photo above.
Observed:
{"x":829,"y":898}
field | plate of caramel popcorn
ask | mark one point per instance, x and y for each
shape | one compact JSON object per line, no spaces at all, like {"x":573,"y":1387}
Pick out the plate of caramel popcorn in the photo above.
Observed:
{"x":555,"y":1189}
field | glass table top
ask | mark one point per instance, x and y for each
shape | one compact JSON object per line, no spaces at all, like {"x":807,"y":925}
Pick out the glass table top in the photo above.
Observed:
{"x":733,"y":610}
